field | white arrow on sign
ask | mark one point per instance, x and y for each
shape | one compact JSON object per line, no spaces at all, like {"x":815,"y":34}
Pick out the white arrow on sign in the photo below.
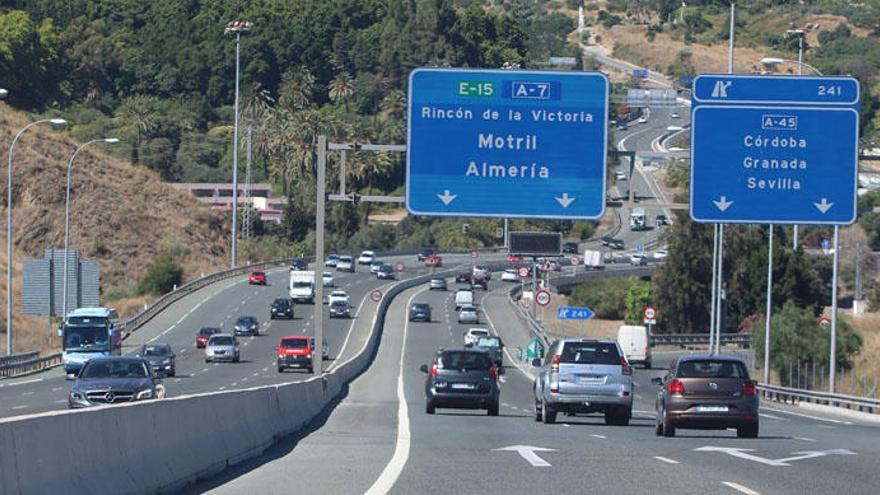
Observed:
{"x":565,"y":200}
{"x":527,"y":452}
{"x":824,"y":206}
{"x":446,"y":197}
{"x":743,"y":454}
{"x":723,"y":203}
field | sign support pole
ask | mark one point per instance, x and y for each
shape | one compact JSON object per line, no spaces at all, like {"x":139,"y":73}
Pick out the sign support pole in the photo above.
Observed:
{"x":719,"y":307}
{"x":714,"y":284}
{"x":534,"y":290}
{"x":318,"y":354}
{"x":769,"y":308}
{"x":833,"y":356}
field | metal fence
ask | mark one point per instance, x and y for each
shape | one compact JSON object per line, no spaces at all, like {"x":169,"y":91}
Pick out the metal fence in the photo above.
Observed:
{"x":34,"y":363}
{"x":795,"y":395}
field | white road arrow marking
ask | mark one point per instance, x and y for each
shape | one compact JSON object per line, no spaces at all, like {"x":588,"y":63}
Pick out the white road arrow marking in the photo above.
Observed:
{"x":527,"y":452}
{"x":824,"y":206}
{"x":446,"y":197}
{"x":742,"y":454}
{"x":723,"y":203}
{"x":565,"y":200}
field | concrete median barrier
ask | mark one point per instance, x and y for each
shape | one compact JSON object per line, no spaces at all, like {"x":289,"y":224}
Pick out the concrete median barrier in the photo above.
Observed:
{"x":161,"y":446}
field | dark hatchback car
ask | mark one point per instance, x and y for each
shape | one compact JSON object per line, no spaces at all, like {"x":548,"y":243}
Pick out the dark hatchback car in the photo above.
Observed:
{"x":707,"y":393}
{"x":247,"y":325}
{"x":420,"y":312}
{"x":160,"y":357}
{"x":385,"y":272}
{"x":463,"y":277}
{"x":570,"y":248}
{"x":299,"y":264}
{"x":613,"y":243}
{"x":425,"y":254}
{"x":462,"y":379}
{"x":114,"y":380}
{"x":281,"y":308}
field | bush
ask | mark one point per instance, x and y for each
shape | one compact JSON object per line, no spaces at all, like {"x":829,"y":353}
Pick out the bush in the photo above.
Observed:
{"x":162,"y":276}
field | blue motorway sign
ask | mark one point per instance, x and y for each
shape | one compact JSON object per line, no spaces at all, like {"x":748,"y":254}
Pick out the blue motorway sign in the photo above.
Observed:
{"x":506,"y":143}
{"x":774,"y":149}
{"x":573,"y":313}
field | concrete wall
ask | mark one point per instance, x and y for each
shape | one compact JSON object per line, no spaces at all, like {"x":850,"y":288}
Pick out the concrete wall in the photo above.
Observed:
{"x":161,"y":446}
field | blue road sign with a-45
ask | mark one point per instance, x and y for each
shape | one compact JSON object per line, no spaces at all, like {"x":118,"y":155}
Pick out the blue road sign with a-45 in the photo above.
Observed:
{"x":506,"y":143}
{"x":774,"y":149}
{"x":573,"y":313}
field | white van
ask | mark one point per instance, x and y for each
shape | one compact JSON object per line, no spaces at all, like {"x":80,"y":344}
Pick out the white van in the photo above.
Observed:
{"x":633,"y":340}
{"x":464,"y":297}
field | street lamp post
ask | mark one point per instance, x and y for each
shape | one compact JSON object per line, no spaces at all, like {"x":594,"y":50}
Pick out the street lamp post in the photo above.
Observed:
{"x":67,"y":216}
{"x":56,"y":123}
{"x":237,"y":27}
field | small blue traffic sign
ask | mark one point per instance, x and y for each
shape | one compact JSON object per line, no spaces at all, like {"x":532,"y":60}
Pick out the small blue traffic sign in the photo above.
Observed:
{"x":774,"y":149}
{"x":502,"y":143}
{"x":640,"y":248}
{"x":573,"y":313}
{"x":826,"y":244}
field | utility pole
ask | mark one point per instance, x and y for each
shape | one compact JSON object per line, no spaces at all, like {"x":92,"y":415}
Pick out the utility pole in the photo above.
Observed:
{"x":247,"y":221}
{"x":769,"y":308}
{"x":236,"y":27}
{"x":800,"y":34}
{"x":833,"y":356}
{"x":317,"y":354}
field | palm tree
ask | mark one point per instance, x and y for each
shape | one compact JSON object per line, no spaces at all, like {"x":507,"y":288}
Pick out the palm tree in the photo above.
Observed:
{"x":296,"y":89}
{"x":341,"y":88}
{"x":138,"y":113}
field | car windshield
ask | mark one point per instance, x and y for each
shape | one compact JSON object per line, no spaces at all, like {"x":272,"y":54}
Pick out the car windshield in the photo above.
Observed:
{"x":281,"y":302}
{"x":155,"y":350}
{"x":420,"y":306}
{"x":589,"y":353}
{"x":208,"y":331}
{"x":86,"y":338}
{"x":468,"y":310}
{"x":339,"y":304}
{"x":298,"y":284}
{"x":346,"y":259}
{"x":338,"y":294}
{"x":294,"y":343}
{"x":259,"y":274}
{"x":115,"y":369}
{"x":479,"y":333}
{"x":464,"y":361}
{"x":224,"y":340}
{"x":246,"y":320}
{"x":489,"y":342}
{"x":712,"y":369}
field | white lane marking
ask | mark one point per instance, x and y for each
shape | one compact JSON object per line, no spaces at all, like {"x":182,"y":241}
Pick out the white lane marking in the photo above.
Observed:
{"x":204,"y":370}
{"x":566,"y":425}
{"x":744,"y":454}
{"x":817,"y":418}
{"x":177,"y":380}
{"x":234,"y":384}
{"x":348,"y":335}
{"x":55,"y":389}
{"x":805,"y":439}
{"x":221,"y":388}
{"x":395,"y":466}
{"x":21,"y":383}
{"x":770,"y":416}
{"x":27,"y":393}
{"x":599,"y":436}
{"x":62,"y":401}
{"x":15,"y":408}
{"x":527,"y":452}
{"x":740,"y":488}
{"x":666,"y":460}
{"x":510,"y":358}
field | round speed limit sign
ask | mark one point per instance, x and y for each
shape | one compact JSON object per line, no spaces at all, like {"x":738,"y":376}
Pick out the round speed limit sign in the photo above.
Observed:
{"x":376,"y":295}
{"x":576,"y":260}
{"x":475,"y":254}
{"x":400,"y":267}
{"x":650,"y":313}
{"x":542,"y":297}
{"x":522,"y":271}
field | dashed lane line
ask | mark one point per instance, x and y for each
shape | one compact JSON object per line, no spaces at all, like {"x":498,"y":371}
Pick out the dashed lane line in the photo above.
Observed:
{"x":740,"y":488}
{"x":666,"y":460}
{"x":21,"y":383}
{"x":599,"y":436}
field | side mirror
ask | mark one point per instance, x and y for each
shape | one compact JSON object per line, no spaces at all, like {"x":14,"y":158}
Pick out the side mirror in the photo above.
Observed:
{"x":469,"y":344}
{"x":536,"y":362}
{"x":657,"y":381}
{"x":423,"y":368}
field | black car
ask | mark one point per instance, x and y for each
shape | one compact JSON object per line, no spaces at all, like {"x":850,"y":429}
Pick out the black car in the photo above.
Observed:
{"x":160,"y":357}
{"x":661,"y":219}
{"x":247,"y":325}
{"x":570,"y":248}
{"x":425,"y":254}
{"x":340,"y":309}
{"x":463,"y":277}
{"x":420,"y":312}
{"x":385,"y":272}
{"x":611,"y":242}
{"x":299,"y":264}
{"x":480,"y":281}
{"x":462,"y":379}
{"x":114,"y":380}
{"x":281,"y":308}
{"x":493,"y":346}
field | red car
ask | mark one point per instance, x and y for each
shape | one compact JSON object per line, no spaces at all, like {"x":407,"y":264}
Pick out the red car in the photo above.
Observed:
{"x":434,"y":260}
{"x":257,"y":277}
{"x":203,"y":336}
{"x":295,"y":352}
{"x":513,"y":257}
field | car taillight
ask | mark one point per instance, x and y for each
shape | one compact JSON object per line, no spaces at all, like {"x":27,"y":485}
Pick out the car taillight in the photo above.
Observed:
{"x":493,"y":373}
{"x":627,"y":369}
{"x":749,"y":388}
{"x":675,"y":387}
{"x":433,"y":371}
{"x":555,"y":364}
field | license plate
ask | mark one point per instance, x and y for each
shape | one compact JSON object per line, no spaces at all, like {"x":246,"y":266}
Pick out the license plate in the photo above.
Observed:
{"x":590,"y":380}
{"x":462,"y":386}
{"x":711,"y":408}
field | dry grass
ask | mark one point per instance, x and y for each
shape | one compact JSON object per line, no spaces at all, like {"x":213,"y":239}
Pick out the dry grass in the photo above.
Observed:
{"x":866,"y":363}
{"x":122,"y":215}
{"x":595,"y":328}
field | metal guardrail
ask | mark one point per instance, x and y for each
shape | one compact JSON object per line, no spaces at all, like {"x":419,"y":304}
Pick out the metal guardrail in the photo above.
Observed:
{"x":30,"y":365}
{"x":794,"y":396}
{"x":697,"y":338}
{"x":17,"y":358}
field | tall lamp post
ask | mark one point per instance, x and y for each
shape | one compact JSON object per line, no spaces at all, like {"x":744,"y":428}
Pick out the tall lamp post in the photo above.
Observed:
{"x":55,"y":123}
{"x":236,"y":27}
{"x":67,"y":216}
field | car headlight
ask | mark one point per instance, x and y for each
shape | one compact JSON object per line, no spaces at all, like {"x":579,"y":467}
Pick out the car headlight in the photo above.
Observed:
{"x":166,"y":361}
{"x":77,"y":397}
{"x":145,"y":394}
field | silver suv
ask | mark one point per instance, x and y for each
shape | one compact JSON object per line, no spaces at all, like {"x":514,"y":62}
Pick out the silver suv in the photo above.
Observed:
{"x":222,"y":347}
{"x":581,"y":376}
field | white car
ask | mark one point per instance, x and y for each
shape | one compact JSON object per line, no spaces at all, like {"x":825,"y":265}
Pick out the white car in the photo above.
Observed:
{"x":338,"y":295}
{"x":481,"y":271}
{"x":345,"y":264}
{"x":366,"y":258}
{"x":328,"y":279}
{"x":473,"y":335}
{"x":674,"y":115}
{"x":509,"y":275}
{"x":468,"y":314}
{"x":620,"y":175}
{"x":638,"y":260}
{"x":331,"y":260}
{"x":661,"y":254}
{"x":375,"y":266}
{"x":643,"y":119}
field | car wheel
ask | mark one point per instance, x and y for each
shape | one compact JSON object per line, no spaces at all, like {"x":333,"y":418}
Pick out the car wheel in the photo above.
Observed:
{"x":668,"y":427}
{"x":310,"y":370}
{"x":538,"y":415}
{"x":548,"y":414}
{"x":235,"y":359}
{"x":493,"y":409}
{"x":281,"y":369}
{"x":173,"y":373}
{"x":207,"y":360}
{"x":748,"y":431}
{"x":658,"y":427}
{"x":648,"y":365}
{"x":429,"y":408}
{"x":623,"y":416}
